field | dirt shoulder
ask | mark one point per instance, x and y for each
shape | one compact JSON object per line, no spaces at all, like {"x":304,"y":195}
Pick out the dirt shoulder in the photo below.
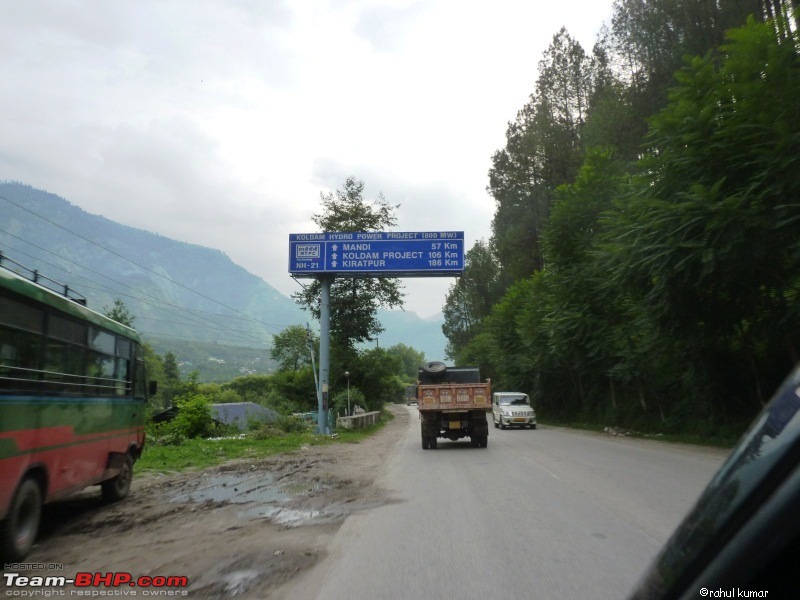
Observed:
{"x":237,"y":530}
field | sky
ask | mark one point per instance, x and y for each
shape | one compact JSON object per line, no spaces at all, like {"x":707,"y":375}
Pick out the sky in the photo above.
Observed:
{"x":221,"y":122}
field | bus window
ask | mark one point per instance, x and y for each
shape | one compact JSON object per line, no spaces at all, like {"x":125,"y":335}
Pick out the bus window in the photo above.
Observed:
{"x":122,"y":377}
{"x":139,"y":390}
{"x":63,"y":366}
{"x":101,"y":370}
{"x":123,"y":348}
{"x":102,"y":341}
{"x":19,"y":315}
{"x":66,"y":330}
{"x":19,"y":359}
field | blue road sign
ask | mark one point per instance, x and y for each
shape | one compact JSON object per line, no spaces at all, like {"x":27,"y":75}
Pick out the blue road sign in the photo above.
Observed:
{"x":377,"y":254}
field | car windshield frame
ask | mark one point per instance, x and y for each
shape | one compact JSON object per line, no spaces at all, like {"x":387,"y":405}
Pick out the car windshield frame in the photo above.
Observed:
{"x":755,"y":467}
{"x":517,"y":400}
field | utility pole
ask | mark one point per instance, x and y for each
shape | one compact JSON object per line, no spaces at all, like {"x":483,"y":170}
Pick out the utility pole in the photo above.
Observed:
{"x":310,"y":342}
{"x":347,"y":374}
{"x":324,"y":352}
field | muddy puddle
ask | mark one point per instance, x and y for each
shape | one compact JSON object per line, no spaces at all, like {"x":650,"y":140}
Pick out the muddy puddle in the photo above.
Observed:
{"x":261,"y":496}
{"x":238,"y":488}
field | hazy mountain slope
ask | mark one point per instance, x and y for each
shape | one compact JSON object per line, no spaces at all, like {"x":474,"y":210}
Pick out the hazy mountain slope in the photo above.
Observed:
{"x":174,"y":289}
{"x":168,"y":285}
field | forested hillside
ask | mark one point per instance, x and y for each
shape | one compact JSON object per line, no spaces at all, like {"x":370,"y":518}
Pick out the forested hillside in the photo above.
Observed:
{"x":173,"y":289}
{"x":183,"y":297}
{"x":644,"y":266}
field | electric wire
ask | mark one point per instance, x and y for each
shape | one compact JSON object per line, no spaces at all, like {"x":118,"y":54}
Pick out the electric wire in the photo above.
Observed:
{"x":119,"y":293}
{"x":137,"y":264}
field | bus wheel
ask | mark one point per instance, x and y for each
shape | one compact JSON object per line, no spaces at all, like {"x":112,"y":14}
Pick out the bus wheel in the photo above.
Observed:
{"x":18,"y":530}
{"x":117,"y":488}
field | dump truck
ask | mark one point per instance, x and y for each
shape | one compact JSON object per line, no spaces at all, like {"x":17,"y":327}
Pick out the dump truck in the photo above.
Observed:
{"x":452,"y":403}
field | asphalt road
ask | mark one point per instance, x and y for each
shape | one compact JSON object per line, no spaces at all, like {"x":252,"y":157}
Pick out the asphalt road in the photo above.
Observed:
{"x":550,"y":513}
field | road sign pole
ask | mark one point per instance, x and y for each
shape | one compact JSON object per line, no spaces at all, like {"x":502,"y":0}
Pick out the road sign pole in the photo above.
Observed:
{"x":324,"y":352}
{"x":327,"y":255}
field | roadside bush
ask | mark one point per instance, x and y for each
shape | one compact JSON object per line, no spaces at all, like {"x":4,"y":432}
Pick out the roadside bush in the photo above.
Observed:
{"x":224,"y":397}
{"x":339,"y":402}
{"x":291,"y":424}
{"x":162,"y":434}
{"x":194,"y":416}
{"x":267,"y":431}
{"x":280,"y":403}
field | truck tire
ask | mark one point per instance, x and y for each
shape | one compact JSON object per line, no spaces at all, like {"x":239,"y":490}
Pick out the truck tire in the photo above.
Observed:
{"x":116,"y":488}
{"x":434,"y":367}
{"x":19,"y":529}
{"x":433,"y":372}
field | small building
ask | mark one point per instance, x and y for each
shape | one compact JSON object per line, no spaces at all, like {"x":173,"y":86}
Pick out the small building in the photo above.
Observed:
{"x":242,"y":414}
{"x":232,"y":413}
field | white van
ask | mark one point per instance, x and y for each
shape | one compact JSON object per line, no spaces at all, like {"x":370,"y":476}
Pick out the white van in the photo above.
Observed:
{"x":512,"y":409}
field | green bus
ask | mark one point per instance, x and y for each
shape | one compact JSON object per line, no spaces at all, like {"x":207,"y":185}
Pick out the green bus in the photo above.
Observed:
{"x":73,"y":402}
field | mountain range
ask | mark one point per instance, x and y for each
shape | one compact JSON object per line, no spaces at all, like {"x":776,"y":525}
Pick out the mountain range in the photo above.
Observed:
{"x":176,"y":291}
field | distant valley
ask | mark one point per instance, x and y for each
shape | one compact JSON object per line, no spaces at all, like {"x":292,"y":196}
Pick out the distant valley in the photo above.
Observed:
{"x":183,"y":296}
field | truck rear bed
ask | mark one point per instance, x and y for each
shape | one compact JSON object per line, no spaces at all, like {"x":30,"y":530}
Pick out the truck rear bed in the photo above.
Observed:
{"x":454,"y":396}
{"x":454,"y":411}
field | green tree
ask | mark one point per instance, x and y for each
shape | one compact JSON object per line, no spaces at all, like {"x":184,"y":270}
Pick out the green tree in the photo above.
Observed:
{"x":171,"y":373}
{"x":647,"y":43}
{"x":154,"y":369}
{"x":119,"y":313}
{"x":290,"y":348}
{"x":375,"y":374}
{"x":409,"y":360}
{"x":285,"y":391}
{"x":470,"y":299}
{"x":341,"y":401}
{"x":354,"y":301}
{"x":251,"y":385}
{"x":194,"y":416}
{"x":709,"y":241}
{"x":574,"y":223}
{"x":544,"y":149}
{"x":509,"y":353}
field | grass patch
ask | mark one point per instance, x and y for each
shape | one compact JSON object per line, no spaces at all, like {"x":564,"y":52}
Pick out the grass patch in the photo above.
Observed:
{"x":199,"y":453}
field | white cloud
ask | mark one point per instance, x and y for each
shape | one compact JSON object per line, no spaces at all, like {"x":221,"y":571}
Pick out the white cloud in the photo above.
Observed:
{"x":220,"y":122}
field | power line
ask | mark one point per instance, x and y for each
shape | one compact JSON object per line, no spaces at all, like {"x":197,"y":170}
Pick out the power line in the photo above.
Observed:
{"x":159,"y":335}
{"x":137,"y":264}
{"x":226,"y":330}
{"x":190,"y":321}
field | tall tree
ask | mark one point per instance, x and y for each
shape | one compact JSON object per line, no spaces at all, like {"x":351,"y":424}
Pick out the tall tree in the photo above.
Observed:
{"x":544,"y":149}
{"x":710,"y":239}
{"x":469,"y":300}
{"x":290,"y":348}
{"x":354,"y":301}
{"x":119,"y":313}
{"x":410,"y":359}
{"x":649,"y":39}
{"x":171,"y":373}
